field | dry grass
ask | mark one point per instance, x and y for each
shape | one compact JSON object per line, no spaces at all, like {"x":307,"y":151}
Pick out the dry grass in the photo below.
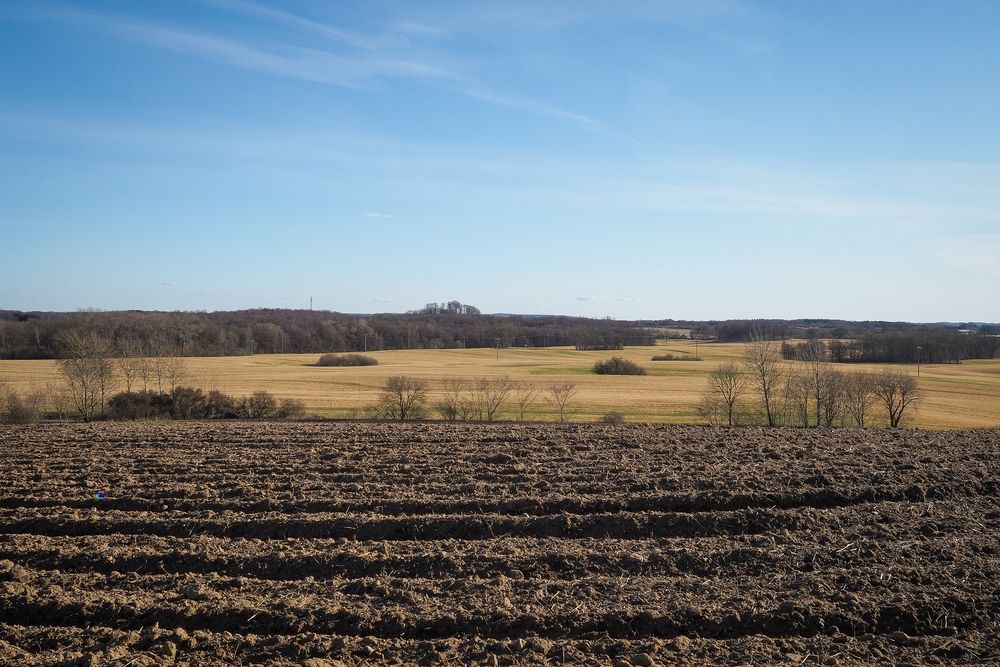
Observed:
{"x":966,"y":395}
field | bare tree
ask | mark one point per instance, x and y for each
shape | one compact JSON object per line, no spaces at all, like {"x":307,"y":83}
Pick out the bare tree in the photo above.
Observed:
{"x":402,"y":398}
{"x":562,"y":393}
{"x":88,"y":371}
{"x":524,"y":397}
{"x":451,"y":404}
{"x":763,"y":361}
{"x":832,"y":396}
{"x":726,"y":386}
{"x":896,"y":391}
{"x":173,"y":370}
{"x":798,"y":398}
{"x":129,"y":360}
{"x":489,"y":395}
{"x":813,"y":354}
{"x":859,"y":396}
{"x":159,"y":350}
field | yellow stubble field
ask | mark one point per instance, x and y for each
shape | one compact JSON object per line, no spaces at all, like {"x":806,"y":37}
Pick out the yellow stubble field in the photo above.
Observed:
{"x":965,"y":395}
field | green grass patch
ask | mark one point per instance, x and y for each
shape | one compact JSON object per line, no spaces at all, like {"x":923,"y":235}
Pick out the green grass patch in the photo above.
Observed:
{"x":562,"y":370}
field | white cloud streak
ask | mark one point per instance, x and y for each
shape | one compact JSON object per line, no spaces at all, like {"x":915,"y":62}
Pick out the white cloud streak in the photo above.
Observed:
{"x":364,"y":71}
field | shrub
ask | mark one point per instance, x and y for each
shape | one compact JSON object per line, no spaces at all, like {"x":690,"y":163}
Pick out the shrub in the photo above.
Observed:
{"x":346,"y":360}
{"x":613,"y":418}
{"x":193,"y":403}
{"x":259,"y":405}
{"x":26,"y":408}
{"x":187,"y":403}
{"x":676,"y":357}
{"x":221,"y":406}
{"x":139,"y":405}
{"x":618,"y":366}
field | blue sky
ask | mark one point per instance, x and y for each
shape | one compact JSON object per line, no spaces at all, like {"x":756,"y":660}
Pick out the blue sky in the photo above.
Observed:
{"x":682,"y":158}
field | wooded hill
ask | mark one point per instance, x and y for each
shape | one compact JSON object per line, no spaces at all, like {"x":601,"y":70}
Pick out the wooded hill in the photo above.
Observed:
{"x":36,"y":335}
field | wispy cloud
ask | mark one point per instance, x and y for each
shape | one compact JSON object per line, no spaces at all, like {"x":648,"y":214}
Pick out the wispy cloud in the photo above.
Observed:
{"x":315,"y":65}
{"x":380,"y":216}
{"x":474,"y":90}
{"x":348,"y":37}
{"x":720,"y":21}
{"x":364,"y":71}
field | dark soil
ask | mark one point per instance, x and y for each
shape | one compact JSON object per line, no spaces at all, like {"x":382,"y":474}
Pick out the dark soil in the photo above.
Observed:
{"x":342,"y":544}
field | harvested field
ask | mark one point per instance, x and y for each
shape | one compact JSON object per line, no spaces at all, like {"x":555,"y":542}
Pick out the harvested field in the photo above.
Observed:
{"x":350,"y":543}
{"x":955,"y":396}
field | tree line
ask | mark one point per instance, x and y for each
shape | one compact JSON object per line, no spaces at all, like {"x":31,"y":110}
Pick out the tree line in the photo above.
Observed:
{"x":745,"y":330}
{"x":764,"y":390}
{"x":928,"y":346}
{"x":403,"y":398}
{"x":265,"y":331}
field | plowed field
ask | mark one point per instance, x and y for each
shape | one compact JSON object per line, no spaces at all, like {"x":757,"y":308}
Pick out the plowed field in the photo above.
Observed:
{"x":347,"y":543}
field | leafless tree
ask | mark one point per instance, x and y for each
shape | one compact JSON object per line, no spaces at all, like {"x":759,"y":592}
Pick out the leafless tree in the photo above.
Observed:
{"x":896,"y":391}
{"x":489,"y":395}
{"x":763,"y":361}
{"x":524,"y":397}
{"x":173,"y":370}
{"x":402,"y":398}
{"x":451,"y":403}
{"x":798,"y":398}
{"x":832,"y":396}
{"x":129,"y":360}
{"x":158,"y":351}
{"x":859,"y":396}
{"x":726,"y":386}
{"x":562,"y":393}
{"x":814,"y":376}
{"x":6,"y":341}
{"x":88,"y":370}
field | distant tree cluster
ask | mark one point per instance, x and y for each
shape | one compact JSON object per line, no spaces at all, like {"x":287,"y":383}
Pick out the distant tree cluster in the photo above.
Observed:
{"x":676,"y":357}
{"x":811,"y":393}
{"x":352,"y":359}
{"x":450,"y":308}
{"x":618,"y":366}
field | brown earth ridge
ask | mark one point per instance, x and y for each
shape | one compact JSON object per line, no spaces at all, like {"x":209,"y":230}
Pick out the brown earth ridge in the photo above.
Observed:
{"x":358,"y":543}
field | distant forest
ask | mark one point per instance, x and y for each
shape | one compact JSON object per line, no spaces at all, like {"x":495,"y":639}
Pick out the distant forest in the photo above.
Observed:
{"x":37,"y":335}
{"x":744,"y":330}
{"x":929,"y":346}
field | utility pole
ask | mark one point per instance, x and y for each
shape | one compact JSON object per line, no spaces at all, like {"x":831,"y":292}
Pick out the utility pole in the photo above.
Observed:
{"x":919,"y":350}
{"x":498,"y":351}
{"x":310,"y":303}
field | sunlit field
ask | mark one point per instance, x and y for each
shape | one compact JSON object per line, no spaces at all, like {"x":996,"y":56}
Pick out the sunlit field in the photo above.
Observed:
{"x":965,"y":395}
